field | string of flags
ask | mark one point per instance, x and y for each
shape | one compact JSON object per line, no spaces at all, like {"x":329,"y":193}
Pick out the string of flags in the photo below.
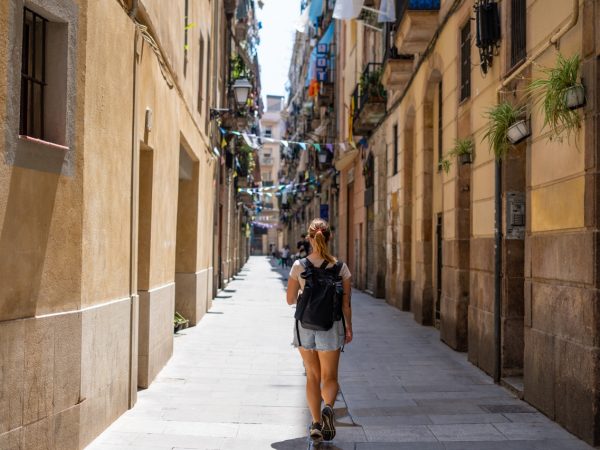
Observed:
{"x":252,"y":140}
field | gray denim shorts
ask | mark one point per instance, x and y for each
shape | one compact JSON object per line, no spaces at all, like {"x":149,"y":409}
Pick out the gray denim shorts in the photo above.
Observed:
{"x":331,"y":339}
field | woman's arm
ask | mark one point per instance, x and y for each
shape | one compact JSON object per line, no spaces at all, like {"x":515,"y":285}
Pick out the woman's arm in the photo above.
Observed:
{"x":347,"y":308}
{"x":292,"y":291}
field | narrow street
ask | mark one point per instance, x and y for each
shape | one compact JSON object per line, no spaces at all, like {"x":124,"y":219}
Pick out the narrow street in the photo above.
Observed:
{"x":234,"y":382}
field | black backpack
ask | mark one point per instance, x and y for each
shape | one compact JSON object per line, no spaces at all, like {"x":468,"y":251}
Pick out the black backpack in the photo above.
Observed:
{"x":320,"y":303}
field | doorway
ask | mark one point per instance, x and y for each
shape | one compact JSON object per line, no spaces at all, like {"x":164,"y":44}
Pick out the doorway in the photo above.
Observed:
{"x":438,"y":269}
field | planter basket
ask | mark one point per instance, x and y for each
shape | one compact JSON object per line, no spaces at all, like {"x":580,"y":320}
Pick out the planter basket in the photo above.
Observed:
{"x":575,"y":96}
{"x":518,"y":131}
{"x":465,"y":158}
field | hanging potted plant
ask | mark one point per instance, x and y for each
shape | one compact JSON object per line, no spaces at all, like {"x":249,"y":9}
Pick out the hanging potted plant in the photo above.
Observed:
{"x":560,"y":94}
{"x":507,"y":126}
{"x":463,"y":150}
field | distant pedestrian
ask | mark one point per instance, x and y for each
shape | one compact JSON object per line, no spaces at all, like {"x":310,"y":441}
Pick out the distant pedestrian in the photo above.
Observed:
{"x":320,"y":331}
{"x":285,"y":256}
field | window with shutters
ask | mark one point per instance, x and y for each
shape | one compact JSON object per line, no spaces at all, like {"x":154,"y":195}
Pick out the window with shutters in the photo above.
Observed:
{"x":518,"y":24}
{"x":465,"y":61}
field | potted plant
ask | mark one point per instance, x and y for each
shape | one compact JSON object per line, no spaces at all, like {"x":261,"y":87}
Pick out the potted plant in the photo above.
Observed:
{"x":463,"y":150}
{"x":560,"y":94}
{"x":371,"y":85}
{"x":506,"y":120}
{"x":179,"y":322}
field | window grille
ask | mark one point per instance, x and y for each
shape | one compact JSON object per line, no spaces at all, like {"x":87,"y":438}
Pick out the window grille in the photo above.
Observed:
{"x":33,"y":75}
{"x":465,"y":61}
{"x":518,"y":32}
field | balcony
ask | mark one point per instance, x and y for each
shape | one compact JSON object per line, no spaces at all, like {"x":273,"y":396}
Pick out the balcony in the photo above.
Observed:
{"x":416,"y":22}
{"x":397,"y":70}
{"x":369,"y":99}
{"x":266,"y":161}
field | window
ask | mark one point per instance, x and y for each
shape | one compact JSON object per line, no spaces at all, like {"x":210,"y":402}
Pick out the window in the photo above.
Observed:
{"x":200,"y":73}
{"x":267,"y":155}
{"x":518,"y":50}
{"x":268,"y":132}
{"x":266,"y":176}
{"x":395,"y":156}
{"x":465,"y":61}
{"x":33,"y":76}
{"x":440,"y":126}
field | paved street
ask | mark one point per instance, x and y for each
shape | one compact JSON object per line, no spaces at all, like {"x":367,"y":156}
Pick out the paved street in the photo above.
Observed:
{"x":234,"y":382}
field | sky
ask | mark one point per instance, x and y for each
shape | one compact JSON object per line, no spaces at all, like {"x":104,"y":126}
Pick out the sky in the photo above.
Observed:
{"x":278,"y":19}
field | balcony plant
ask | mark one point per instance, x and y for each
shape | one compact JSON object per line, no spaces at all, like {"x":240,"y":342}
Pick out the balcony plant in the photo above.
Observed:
{"x":560,"y":94}
{"x":371,"y":85}
{"x":503,"y":120}
{"x":238,"y":68}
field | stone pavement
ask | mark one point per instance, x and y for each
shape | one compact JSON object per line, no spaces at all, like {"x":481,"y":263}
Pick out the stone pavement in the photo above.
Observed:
{"x":234,"y":382}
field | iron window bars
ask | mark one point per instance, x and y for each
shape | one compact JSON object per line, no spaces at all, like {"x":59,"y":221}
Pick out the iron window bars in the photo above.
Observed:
{"x":33,"y":75}
{"x":465,"y":61}
{"x":487,"y":18}
{"x":518,"y":49}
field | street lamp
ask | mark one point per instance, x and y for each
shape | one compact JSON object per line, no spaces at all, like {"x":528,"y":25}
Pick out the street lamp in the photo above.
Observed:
{"x":241,"y":89}
{"x":322,"y":157}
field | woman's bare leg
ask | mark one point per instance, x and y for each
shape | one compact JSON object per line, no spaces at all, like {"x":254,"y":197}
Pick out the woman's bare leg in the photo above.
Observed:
{"x":329,"y":375}
{"x":313,"y":382}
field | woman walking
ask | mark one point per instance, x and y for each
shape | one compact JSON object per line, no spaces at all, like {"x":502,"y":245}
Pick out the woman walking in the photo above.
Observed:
{"x":320,"y":348}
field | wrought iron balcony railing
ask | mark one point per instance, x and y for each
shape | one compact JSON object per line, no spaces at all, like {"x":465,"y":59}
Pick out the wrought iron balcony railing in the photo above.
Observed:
{"x":369,"y":99}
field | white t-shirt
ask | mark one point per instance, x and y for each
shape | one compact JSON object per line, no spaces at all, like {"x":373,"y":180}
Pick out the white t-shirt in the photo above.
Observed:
{"x":298,"y":268}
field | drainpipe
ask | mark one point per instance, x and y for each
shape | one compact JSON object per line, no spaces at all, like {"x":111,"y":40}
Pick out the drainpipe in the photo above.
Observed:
{"x":498,"y":195}
{"x":133,"y":224}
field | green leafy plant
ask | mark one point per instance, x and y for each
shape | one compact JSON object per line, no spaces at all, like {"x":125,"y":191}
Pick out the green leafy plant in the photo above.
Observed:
{"x":371,"y":85}
{"x":179,"y":322}
{"x":238,"y":68}
{"x":461,"y":147}
{"x":551,"y":92}
{"x":500,"y":118}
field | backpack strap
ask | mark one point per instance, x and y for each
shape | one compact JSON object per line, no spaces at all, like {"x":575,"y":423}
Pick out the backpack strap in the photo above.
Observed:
{"x":324,"y":265}
{"x":306,"y":263}
{"x":338,"y":267}
{"x":298,"y":333}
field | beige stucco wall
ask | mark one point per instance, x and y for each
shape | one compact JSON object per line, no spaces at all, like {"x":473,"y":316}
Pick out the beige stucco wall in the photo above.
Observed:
{"x":66,"y":238}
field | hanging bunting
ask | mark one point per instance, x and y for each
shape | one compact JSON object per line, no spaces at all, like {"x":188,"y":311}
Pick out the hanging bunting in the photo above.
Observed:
{"x":387,"y":11}
{"x":347,"y":9}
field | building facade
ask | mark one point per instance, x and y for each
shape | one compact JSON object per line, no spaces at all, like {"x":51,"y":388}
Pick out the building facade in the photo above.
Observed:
{"x":307,"y":162}
{"x":498,"y":253}
{"x":108,"y":202}
{"x":272,"y":128}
